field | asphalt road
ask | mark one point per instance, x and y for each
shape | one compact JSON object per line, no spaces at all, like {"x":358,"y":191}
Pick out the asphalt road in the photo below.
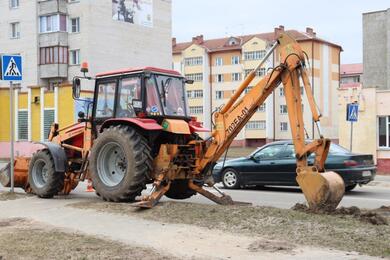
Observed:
{"x":369,"y":196}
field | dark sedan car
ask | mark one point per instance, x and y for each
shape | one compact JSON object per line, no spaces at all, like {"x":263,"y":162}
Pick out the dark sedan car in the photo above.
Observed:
{"x":275,"y":164}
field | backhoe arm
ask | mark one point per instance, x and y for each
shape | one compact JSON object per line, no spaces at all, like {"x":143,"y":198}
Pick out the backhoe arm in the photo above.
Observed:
{"x":236,"y":113}
{"x":321,"y":190}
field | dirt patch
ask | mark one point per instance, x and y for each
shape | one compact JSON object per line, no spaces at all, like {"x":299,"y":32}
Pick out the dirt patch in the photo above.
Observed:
{"x":375,"y":217}
{"x":343,"y":232}
{"x":270,"y":246}
{"x":23,"y":239}
{"x":12,"y":196}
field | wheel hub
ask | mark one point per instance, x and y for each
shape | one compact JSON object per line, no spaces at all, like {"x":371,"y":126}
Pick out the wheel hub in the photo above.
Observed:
{"x":112,"y":164}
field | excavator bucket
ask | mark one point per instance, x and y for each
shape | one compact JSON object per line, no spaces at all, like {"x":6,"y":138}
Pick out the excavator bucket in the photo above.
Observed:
{"x":323,"y":191}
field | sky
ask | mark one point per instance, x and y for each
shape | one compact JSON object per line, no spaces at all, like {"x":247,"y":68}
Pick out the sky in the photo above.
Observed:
{"x":338,"y":21}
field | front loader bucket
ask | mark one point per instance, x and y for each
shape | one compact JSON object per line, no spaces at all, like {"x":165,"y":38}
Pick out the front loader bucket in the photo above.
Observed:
{"x":323,"y":191}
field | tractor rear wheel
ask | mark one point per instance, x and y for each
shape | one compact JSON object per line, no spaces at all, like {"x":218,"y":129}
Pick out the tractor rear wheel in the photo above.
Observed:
{"x":44,"y":181}
{"x":179,"y":190}
{"x":120,"y":164}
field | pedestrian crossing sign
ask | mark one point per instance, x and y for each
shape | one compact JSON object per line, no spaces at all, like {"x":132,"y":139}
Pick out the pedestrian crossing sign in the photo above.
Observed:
{"x":11,"y":68}
{"x":352,"y":112}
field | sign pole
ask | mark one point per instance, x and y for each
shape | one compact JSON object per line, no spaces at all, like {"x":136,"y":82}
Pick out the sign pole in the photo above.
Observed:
{"x":11,"y":89}
{"x":350,"y":142}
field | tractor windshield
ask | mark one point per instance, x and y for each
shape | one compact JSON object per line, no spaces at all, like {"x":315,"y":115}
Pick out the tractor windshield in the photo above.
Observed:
{"x":172,"y":95}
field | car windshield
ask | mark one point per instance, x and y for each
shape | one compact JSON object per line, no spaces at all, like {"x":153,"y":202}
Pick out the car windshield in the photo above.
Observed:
{"x":172,"y":95}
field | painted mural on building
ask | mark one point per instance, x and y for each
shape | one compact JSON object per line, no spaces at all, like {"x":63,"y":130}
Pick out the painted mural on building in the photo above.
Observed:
{"x":138,"y":12}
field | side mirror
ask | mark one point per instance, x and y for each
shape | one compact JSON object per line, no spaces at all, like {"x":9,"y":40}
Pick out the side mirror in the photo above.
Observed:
{"x":76,"y":89}
{"x":253,"y":158}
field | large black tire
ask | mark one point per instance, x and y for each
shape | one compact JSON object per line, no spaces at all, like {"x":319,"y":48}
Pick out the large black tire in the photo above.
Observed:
{"x":231,"y":179}
{"x":120,"y":174}
{"x":350,"y":187}
{"x":44,"y":181}
{"x":179,"y":190}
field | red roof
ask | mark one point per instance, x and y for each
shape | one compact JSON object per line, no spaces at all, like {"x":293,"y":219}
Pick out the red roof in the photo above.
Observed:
{"x":350,"y":69}
{"x":138,"y":69}
{"x":220,"y":44}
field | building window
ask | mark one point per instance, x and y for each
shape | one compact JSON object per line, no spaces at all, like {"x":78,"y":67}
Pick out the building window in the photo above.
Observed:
{"x":196,"y":110}
{"x":251,"y":125}
{"x":14,"y":4}
{"x":48,"y":120}
{"x":194,"y":94}
{"x":74,"y":57}
{"x":22,"y":125}
{"x":15,"y":30}
{"x":281,"y":91}
{"x":261,"y":108}
{"x":236,"y":76}
{"x":259,"y":73}
{"x":193,"y":61}
{"x":248,"y":89}
{"x":218,"y":94}
{"x":75,"y":25}
{"x":219,"y":78}
{"x":53,"y":55}
{"x":384,"y":131}
{"x":219,"y":61}
{"x":235,"y":60}
{"x":283,"y":109}
{"x":283,"y":126}
{"x":262,"y":72}
{"x":52,"y":23}
{"x":254,"y":55}
{"x":197,"y":77}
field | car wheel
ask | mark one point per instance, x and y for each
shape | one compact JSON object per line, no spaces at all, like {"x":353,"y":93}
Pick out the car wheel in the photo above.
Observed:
{"x":350,"y":187}
{"x":230,"y":179}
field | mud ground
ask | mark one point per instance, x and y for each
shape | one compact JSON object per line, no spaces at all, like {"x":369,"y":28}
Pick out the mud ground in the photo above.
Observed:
{"x":290,"y":227}
{"x":12,"y":196}
{"x":24,"y":239}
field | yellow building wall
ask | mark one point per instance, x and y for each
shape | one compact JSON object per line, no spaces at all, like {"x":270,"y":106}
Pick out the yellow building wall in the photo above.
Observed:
{"x":35,"y":116}
{"x":49,"y":100}
{"x":4,"y":115}
{"x":23,"y":100}
{"x":66,"y":106}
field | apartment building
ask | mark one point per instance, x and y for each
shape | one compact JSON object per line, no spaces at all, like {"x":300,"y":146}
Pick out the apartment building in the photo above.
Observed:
{"x":55,"y":36}
{"x":351,"y":75}
{"x":219,"y":65}
{"x":371,"y":134}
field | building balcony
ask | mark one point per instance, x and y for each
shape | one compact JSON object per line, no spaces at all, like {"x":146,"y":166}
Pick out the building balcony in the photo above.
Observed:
{"x":53,"y":39}
{"x":52,"y":6}
{"x":53,"y":71}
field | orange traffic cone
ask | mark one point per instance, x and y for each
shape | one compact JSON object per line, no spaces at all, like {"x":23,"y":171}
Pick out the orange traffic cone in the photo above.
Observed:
{"x":89,"y":186}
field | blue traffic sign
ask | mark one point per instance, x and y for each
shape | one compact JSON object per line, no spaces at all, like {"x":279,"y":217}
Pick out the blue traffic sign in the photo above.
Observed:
{"x":352,"y":112}
{"x":11,"y":68}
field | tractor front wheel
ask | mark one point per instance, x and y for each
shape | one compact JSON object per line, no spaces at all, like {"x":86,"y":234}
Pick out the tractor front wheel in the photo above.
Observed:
{"x":44,"y":181}
{"x":120,"y":164}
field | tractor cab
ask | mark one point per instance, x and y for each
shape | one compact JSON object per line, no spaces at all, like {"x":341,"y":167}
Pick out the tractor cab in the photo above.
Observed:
{"x":140,"y":93}
{"x":144,"y":92}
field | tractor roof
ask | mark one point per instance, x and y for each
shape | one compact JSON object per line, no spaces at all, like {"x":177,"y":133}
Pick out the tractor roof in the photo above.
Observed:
{"x":138,"y":69}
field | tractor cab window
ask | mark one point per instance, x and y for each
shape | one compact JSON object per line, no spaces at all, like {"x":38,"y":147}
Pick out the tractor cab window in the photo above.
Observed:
{"x":172,"y":95}
{"x":105,"y":99}
{"x":129,"y":90}
{"x":153,"y":104}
